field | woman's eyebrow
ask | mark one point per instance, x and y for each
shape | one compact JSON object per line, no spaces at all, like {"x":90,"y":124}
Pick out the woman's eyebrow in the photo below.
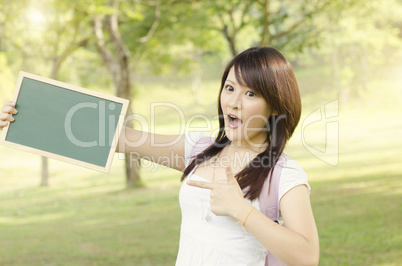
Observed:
{"x":230,"y":81}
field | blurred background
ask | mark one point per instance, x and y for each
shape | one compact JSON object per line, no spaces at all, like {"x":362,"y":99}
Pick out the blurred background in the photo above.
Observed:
{"x":347,"y":59}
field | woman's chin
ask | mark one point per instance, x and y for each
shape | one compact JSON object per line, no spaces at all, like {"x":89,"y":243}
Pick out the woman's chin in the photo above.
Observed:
{"x":233,"y":134}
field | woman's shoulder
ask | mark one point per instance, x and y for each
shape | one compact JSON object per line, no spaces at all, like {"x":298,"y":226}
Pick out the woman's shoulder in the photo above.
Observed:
{"x":199,"y":138}
{"x":292,"y":175}
{"x":197,"y":142}
{"x":192,"y":137}
{"x":291,"y":164}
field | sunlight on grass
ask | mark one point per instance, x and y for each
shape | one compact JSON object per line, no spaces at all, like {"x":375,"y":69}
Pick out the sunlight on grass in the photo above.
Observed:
{"x":34,"y":219}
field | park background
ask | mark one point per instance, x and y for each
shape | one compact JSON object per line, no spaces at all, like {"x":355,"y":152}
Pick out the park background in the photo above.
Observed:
{"x":347,"y":60}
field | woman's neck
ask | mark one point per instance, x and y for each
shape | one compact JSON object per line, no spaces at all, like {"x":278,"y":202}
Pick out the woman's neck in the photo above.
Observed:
{"x":246,"y":146}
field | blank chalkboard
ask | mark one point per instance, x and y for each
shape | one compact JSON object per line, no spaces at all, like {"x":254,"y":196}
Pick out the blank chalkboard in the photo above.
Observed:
{"x":65,"y":122}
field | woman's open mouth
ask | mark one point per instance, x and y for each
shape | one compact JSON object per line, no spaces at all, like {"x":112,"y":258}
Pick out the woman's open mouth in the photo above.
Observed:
{"x":233,"y":121}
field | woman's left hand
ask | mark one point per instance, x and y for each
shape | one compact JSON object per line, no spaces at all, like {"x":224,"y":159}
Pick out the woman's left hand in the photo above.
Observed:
{"x":226,"y":196}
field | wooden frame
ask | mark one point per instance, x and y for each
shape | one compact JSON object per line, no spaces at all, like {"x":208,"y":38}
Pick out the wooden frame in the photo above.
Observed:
{"x":76,"y":93}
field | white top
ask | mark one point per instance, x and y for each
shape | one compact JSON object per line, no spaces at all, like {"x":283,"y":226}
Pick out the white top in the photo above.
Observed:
{"x":210,"y":240}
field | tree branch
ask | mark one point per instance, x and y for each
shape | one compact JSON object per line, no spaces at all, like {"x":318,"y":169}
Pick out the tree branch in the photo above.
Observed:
{"x":265,"y":22}
{"x":105,"y":53}
{"x":300,"y":22}
{"x":155,"y":24}
{"x":244,"y":14}
{"x":73,"y":47}
{"x":111,"y":24}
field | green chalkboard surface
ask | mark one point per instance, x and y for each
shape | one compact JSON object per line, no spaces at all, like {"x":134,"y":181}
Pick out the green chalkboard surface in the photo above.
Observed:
{"x":65,"y":122}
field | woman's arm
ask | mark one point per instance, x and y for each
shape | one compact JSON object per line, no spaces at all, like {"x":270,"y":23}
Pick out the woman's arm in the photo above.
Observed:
{"x":167,"y":150}
{"x":295,"y":243}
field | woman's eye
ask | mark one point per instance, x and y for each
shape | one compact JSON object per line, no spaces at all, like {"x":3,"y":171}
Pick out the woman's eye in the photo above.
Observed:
{"x":229,"y":88}
{"x":250,"y":94}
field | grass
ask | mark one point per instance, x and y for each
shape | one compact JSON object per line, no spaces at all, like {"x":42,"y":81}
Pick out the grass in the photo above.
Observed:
{"x":89,"y":218}
{"x":86,"y":218}
{"x":357,"y":204}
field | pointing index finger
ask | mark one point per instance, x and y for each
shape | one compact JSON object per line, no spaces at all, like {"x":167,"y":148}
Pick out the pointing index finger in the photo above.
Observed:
{"x":201,"y":184}
{"x":229,"y":174}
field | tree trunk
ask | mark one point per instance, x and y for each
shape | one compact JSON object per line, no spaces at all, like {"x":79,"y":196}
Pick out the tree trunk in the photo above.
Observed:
{"x":57,"y":61}
{"x":123,"y":87}
{"x":45,"y":172}
{"x":231,"y":38}
{"x":133,"y":178}
{"x":45,"y":161}
{"x":117,"y":60}
{"x":265,"y":34}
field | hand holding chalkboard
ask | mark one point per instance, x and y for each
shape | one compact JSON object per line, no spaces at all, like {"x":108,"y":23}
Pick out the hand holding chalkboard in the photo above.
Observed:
{"x":63,"y":122}
{"x":6,"y":115}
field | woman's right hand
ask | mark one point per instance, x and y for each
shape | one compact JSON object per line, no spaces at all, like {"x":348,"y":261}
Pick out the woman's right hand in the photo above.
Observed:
{"x":6,"y":115}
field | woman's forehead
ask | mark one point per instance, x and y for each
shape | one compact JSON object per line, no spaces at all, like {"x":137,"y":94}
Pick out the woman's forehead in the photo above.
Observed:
{"x":235,"y":76}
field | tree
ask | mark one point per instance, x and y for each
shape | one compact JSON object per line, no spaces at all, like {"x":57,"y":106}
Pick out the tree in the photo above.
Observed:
{"x":116,"y":57}
{"x":67,"y":38}
{"x":285,"y":25}
{"x":122,"y":32}
{"x":150,"y":30}
{"x":63,"y":37}
{"x":229,"y":18}
{"x":363,"y":35}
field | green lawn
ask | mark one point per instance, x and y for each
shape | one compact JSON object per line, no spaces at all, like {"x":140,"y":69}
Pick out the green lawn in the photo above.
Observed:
{"x":357,"y":204}
{"x":89,"y":218}
{"x":86,"y":218}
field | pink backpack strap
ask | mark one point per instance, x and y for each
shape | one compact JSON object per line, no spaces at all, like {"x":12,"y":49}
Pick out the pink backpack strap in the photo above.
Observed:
{"x":203,"y":143}
{"x":269,"y":201}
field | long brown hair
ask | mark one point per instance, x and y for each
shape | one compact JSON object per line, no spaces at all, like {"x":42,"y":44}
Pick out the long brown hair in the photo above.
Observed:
{"x":270,"y":75}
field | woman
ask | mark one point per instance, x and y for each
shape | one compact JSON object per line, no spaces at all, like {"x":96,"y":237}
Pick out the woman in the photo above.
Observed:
{"x":259,"y":108}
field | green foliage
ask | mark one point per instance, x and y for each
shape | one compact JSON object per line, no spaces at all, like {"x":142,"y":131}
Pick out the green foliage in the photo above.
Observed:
{"x":180,"y":34}
{"x":6,"y":77}
{"x":357,"y":40}
{"x":187,"y":30}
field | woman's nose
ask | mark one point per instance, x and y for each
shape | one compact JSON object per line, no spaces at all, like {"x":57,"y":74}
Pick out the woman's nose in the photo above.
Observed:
{"x":235,"y":101}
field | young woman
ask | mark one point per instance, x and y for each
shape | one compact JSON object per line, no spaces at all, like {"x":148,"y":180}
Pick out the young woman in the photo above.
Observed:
{"x":259,"y":107}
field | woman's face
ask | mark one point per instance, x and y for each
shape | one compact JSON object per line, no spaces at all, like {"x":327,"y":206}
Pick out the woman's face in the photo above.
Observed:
{"x":245,"y":113}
